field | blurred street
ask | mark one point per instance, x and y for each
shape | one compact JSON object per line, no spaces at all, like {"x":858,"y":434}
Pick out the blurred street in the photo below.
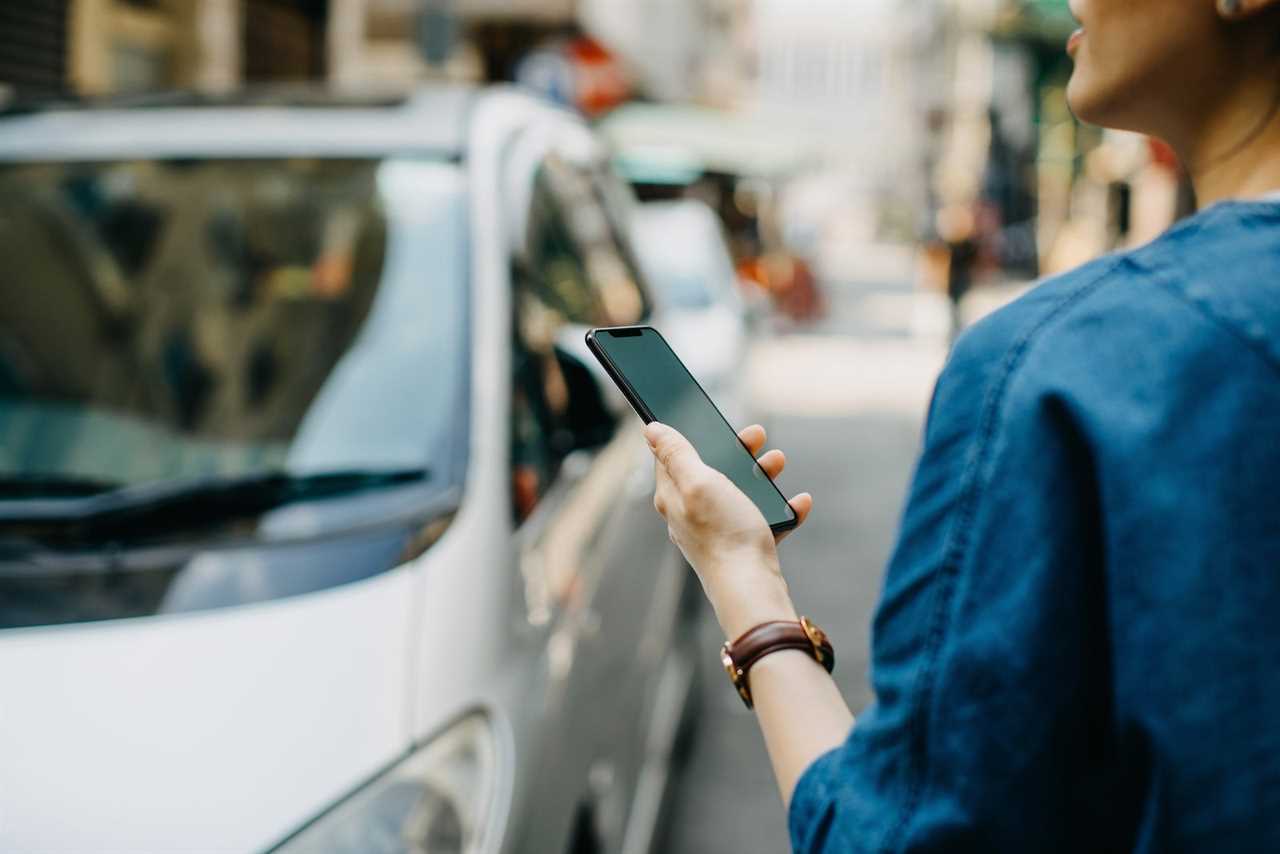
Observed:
{"x":846,"y":401}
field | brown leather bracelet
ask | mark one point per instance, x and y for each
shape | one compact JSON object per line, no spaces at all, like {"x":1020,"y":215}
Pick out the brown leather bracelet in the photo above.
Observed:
{"x":740,"y":655}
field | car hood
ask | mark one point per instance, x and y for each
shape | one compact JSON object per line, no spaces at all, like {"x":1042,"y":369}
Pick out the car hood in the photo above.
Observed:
{"x":219,"y":730}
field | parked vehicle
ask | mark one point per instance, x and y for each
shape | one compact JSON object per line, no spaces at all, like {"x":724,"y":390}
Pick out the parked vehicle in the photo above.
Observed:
{"x":681,"y":249}
{"x":313,"y":536}
{"x":738,"y":162}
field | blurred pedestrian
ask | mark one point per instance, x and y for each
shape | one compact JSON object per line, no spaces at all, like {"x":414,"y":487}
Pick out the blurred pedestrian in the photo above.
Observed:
{"x":1077,"y":647}
{"x":957,"y":229}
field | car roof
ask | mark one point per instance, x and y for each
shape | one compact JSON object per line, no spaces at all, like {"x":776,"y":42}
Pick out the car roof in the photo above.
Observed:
{"x":291,"y":123}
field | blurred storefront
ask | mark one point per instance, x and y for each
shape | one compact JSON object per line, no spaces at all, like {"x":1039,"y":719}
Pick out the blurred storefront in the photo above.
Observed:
{"x":538,"y":43}
{"x":678,"y":50}
{"x":939,"y":121}
{"x":1013,"y":174}
{"x":96,"y":47}
{"x":99,"y":47}
{"x":33,"y":45}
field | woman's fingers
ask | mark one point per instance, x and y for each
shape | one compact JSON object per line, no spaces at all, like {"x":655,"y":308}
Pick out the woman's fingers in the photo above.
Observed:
{"x":673,"y":452}
{"x":802,"y":504}
{"x":753,"y":437}
{"x":773,"y":463}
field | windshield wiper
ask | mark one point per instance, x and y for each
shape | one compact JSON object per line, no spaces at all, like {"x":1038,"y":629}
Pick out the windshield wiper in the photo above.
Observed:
{"x":184,"y":504}
{"x":22,"y":486}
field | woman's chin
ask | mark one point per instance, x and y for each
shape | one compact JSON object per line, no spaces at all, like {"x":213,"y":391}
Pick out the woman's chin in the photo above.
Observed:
{"x":1088,"y":101}
{"x":1105,"y":100}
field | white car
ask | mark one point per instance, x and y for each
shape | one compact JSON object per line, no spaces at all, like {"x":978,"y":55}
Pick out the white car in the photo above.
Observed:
{"x":680,"y":247}
{"x":317,"y":531}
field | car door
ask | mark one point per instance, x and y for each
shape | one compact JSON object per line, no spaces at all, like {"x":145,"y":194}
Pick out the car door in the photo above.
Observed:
{"x":592,"y":549}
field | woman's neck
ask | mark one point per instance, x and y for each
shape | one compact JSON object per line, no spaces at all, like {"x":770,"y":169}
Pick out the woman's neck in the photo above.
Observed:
{"x":1236,"y":153}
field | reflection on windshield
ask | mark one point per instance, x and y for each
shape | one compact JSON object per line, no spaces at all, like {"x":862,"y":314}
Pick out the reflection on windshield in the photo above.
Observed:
{"x":181,"y":319}
{"x":683,"y":254}
{"x":40,"y":590}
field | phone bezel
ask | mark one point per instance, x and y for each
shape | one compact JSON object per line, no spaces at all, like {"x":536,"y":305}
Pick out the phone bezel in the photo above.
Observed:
{"x":647,"y":416}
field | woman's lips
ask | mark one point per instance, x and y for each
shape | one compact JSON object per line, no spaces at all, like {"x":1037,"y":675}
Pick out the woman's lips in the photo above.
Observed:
{"x":1073,"y":43}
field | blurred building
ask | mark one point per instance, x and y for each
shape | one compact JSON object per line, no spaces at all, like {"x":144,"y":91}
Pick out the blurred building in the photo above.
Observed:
{"x":93,"y":47}
{"x":906,"y":113}
{"x":33,"y":45}
{"x":399,"y":41}
{"x":677,"y":50}
{"x":1040,"y":191}
{"x":850,"y":72}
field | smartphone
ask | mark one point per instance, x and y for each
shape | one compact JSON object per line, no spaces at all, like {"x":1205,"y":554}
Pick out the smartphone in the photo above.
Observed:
{"x":660,"y":388}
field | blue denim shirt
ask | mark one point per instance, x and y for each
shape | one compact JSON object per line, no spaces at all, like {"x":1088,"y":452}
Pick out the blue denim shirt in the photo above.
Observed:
{"x":1078,"y":642}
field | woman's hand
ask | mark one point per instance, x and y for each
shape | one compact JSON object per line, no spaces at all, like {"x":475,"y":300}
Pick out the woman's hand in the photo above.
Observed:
{"x":721,"y":532}
{"x":730,"y":546}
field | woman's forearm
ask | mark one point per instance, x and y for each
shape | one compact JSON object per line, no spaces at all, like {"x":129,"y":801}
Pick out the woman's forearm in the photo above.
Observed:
{"x":801,"y":711}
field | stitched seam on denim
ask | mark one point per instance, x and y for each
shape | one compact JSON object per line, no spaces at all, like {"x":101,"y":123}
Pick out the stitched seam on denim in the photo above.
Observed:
{"x":1225,"y":323}
{"x":1256,"y":209}
{"x":957,"y":544}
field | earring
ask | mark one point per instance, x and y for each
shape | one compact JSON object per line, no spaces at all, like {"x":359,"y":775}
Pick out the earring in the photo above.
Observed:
{"x":1228,"y":8}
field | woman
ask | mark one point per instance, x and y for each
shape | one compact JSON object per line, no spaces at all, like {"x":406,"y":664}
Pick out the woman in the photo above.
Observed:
{"x":1078,"y":645}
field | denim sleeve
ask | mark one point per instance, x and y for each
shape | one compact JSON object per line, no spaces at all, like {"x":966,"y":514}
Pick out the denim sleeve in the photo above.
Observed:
{"x":989,"y":624}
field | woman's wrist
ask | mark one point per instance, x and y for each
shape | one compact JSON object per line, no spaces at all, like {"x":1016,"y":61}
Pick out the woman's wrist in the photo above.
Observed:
{"x":748,"y":593}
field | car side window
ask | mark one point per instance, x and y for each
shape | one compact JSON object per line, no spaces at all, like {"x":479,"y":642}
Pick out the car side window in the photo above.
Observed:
{"x":574,"y":271}
{"x":578,"y":261}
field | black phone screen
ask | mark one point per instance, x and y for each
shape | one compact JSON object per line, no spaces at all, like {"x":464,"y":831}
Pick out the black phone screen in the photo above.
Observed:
{"x":661,"y":388}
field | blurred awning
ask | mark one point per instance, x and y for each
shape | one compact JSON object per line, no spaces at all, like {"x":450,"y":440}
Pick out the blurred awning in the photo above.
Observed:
{"x":561,"y":11}
{"x":673,"y":144}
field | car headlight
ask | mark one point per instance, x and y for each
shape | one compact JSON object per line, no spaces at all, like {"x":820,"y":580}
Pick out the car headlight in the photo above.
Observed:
{"x":435,"y":802}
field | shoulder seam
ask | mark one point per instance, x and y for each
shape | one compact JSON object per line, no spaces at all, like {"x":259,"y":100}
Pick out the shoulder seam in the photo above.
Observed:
{"x":956,"y":547}
{"x":1196,"y":223}
{"x":1224,"y":323}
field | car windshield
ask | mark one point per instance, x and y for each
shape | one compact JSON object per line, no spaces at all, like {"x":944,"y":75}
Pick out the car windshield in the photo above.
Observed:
{"x":166,"y":320}
{"x":683,"y":255}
